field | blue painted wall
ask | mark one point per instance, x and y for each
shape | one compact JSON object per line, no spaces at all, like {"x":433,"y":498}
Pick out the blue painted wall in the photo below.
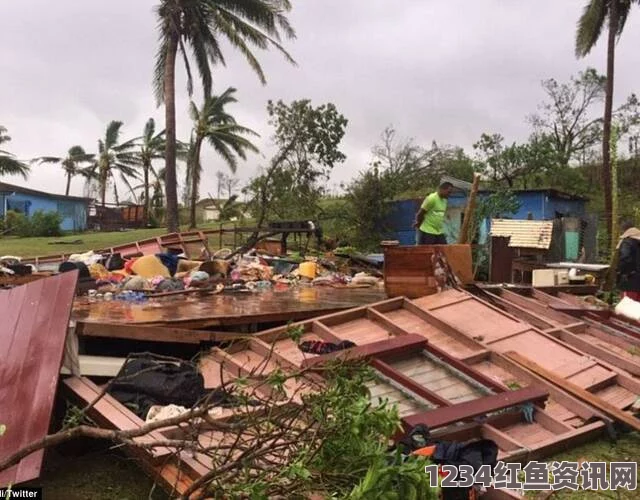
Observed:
{"x":73,"y":212}
{"x":540,"y":204}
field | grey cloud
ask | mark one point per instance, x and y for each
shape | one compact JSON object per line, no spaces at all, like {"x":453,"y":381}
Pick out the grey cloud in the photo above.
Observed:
{"x":444,"y":70}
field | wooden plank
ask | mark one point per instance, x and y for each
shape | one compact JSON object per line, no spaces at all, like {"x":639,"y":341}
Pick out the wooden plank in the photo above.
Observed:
{"x":575,"y":390}
{"x":384,"y":349}
{"x":153,"y":333}
{"x":35,"y":318}
{"x":408,"y":382}
{"x":600,"y":353}
{"x":471,"y":409}
{"x":109,"y":412}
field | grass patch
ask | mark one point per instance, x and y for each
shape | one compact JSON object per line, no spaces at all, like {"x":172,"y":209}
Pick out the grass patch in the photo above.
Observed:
{"x":34,"y":247}
{"x":625,"y":449}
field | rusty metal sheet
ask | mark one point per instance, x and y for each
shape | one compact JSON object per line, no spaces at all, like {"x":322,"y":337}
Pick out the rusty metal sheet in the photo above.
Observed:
{"x":34,"y":324}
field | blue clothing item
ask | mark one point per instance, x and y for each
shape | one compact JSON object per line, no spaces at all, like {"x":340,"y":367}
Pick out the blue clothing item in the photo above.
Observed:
{"x":170,"y":261}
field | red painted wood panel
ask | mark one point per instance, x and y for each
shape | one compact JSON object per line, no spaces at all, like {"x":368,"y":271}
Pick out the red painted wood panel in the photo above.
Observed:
{"x":34,"y":320}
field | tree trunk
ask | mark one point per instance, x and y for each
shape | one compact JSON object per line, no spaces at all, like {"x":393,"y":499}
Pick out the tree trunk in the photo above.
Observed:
{"x":171,"y":188}
{"x":115,"y":192}
{"x":66,"y":193}
{"x":145,"y":208}
{"x":195,"y":181}
{"x":103,"y":182}
{"x":608,"y":110}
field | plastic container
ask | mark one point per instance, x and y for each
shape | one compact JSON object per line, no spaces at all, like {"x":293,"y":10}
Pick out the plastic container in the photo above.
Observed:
{"x":308,"y":270}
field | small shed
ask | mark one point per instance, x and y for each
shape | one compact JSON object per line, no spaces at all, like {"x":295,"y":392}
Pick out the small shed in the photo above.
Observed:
{"x":73,"y":209}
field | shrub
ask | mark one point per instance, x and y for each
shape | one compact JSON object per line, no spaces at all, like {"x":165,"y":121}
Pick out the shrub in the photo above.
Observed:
{"x":40,"y":224}
{"x":46,"y":223}
{"x":17,"y":223}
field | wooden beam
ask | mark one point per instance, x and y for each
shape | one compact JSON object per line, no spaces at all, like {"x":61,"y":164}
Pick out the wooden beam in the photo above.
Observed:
{"x":573,"y":404}
{"x":470,"y":409}
{"x":604,"y":354}
{"x":383,"y":349}
{"x":464,"y":236}
{"x":110,"y":413}
{"x":575,"y":390}
{"x":153,"y":333}
{"x":503,"y":441}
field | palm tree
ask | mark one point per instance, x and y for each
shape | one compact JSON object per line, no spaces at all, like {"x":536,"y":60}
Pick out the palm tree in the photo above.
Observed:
{"x":199,"y":25}
{"x":71,"y":164}
{"x":222,"y":132}
{"x":152,"y":147}
{"x":114,"y":157}
{"x":9,"y":165}
{"x":596,"y":13}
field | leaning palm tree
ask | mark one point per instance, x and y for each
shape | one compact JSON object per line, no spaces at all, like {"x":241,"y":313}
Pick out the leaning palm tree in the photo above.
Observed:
{"x":114,"y":158}
{"x":151,"y":147}
{"x":198,"y":26}
{"x":71,"y":164}
{"x":596,"y":14}
{"x":213,"y":124}
{"x":9,"y":164}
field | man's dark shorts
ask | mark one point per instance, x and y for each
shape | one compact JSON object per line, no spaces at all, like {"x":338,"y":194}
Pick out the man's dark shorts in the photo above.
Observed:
{"x":431,"y":239}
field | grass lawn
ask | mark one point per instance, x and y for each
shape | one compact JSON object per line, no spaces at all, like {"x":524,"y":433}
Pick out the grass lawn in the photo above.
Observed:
{"x":33,"y":247}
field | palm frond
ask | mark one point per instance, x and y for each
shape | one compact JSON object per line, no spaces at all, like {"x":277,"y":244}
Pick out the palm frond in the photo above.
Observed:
{"x":149,"y":130}
{"x":9,"y":165}
{"x":590,"y":26}
{"x":47,"y":159}
{"x":113,"y":134}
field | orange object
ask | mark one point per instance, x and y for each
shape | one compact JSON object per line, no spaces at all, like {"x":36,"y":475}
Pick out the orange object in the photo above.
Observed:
{"x":427,"y":451}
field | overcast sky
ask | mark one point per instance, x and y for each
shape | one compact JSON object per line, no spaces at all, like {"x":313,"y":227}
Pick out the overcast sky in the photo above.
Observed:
{"x":444,"y":70}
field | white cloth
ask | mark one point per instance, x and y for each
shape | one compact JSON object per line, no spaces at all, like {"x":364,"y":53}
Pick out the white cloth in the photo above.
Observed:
{"x":629,"y":308}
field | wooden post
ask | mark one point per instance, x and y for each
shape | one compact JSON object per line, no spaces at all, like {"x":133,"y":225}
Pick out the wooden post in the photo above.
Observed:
{"x":464,"y":236}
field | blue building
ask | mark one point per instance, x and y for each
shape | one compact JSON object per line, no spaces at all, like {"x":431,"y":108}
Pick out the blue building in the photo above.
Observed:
{"x":73,"y":209}
{"x":535,"y":204}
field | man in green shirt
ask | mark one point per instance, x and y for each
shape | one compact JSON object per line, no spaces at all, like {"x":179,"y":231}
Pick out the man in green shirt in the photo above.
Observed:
{"x":430,"y":217}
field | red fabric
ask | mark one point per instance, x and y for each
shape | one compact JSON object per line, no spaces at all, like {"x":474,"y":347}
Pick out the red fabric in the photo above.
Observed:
{"x":632,"y":295}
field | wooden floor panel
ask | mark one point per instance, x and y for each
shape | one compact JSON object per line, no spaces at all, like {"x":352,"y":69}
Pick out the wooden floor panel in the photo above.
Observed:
{"x":562,"y":413}
{"x":617,"y":396}
{"x":590,"y":377}
{"x":413,"y":324}
{"x":542,"y":350}
{"x":499,"y":374}
{"x":478,"y":320}
{"x":361,"y":331}
{"x":528,"y":434}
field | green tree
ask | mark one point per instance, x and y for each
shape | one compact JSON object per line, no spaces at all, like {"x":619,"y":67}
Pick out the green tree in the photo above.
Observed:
{"x":565,"y":116}
{"x":516,"y":165}
{"x":114,"y":158}
{"x":71,"y":164}
{"x":308,"y":140}
{"x":596,"y":14}
{"x":220,"y":129}
{"x":151,"y":147}
{"x":197,"y":28}
{"x":9,"y":164}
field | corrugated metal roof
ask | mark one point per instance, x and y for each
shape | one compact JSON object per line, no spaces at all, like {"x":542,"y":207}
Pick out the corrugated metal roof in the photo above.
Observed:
{"x":524,"y":233}
{"x":35,"y":318}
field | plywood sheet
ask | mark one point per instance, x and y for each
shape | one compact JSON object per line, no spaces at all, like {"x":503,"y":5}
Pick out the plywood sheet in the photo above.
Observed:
{"x":35,"y":318}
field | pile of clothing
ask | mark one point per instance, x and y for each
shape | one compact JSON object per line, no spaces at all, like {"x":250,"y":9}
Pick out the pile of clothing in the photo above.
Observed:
{"x":111,"y":275}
